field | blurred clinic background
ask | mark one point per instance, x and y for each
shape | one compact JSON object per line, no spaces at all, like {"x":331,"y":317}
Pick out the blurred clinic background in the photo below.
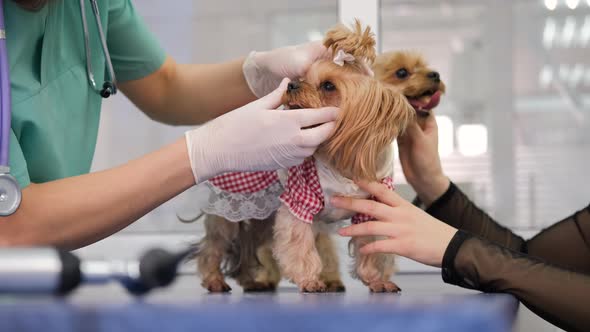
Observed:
{"x":513,"y":125}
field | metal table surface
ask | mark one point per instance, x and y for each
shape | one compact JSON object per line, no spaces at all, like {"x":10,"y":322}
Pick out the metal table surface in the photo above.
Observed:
{"x":187,"y":307}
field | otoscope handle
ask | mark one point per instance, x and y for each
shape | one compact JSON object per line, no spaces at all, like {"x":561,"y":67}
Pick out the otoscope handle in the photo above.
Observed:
{"x":38,"y":270}
{"x":54,"y":271}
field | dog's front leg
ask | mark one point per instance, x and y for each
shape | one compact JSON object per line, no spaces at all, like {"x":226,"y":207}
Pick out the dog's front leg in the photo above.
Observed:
{"x":331,"y":268}
{"x":374,"y":270}
{"x":295,"y":251}
{"x":219,"y":235}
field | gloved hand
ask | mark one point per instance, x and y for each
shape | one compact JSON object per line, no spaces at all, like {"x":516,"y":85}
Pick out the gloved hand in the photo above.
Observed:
{"x":265,"y":70}
{"x":257,"y":137}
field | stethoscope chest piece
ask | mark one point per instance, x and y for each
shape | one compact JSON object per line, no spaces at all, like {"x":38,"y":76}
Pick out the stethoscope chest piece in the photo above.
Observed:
{"x":10,"y":194}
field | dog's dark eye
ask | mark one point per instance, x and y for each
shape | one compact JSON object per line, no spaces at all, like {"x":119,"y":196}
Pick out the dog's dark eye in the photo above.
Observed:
{"x":328,"y":86}
{"x":402,"y":73}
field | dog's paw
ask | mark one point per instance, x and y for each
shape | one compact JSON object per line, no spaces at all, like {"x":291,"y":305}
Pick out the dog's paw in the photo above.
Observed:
{"x":335,"y":286}
{"x":264,"y":286}
{"x":312,"y":286}
{"x":217,"y":286}
{"x":384,"y":287}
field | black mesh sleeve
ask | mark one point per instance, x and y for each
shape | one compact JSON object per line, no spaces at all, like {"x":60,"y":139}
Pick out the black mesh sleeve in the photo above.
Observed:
{"x":549,"y":273}
{"x":558,"y":295}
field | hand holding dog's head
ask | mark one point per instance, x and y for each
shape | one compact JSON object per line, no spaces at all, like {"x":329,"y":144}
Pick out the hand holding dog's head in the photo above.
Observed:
{"x":373,"y":114}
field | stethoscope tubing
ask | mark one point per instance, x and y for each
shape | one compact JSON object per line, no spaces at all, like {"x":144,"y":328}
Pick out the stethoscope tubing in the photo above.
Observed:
{"x":5,"y":101}
{"x":103,"y":44}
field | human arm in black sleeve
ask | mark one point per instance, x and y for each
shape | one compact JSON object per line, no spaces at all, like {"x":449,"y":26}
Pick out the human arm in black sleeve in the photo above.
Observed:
{"x":565,"y":243}
{"x":558,"y":295}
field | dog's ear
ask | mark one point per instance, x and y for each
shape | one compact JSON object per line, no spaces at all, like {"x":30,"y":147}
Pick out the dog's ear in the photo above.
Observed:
{"x":373,"y":115}
{"x":402,"y":114}
{"x":358,"y":42}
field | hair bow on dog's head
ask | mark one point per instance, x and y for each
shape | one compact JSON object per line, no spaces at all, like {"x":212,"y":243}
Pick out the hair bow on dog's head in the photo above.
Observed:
{"x":341,"y":57}
{"x":354,"y":46}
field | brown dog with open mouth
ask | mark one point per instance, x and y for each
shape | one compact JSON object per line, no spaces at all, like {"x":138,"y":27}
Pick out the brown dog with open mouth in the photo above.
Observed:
{"x":409,"y":73}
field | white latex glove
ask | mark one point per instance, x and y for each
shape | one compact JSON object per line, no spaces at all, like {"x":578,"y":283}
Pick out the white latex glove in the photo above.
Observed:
{"x":265,"y":70}
{"x":258,"y":137}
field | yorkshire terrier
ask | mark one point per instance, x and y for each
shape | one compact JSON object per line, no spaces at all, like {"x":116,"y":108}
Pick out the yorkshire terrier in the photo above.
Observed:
{"x":409,"y":73}
{"x":293,"y":205}
{"x":373,"y":115}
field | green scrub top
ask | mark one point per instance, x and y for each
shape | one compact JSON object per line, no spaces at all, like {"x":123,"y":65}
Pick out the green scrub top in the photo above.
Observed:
{"x":55,"y":111}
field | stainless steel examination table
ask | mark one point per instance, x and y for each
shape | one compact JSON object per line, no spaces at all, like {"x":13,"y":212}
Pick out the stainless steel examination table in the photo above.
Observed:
{"x":185,"y":306}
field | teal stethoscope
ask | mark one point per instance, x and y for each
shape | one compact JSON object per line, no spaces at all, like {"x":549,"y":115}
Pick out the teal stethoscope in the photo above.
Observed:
{"x":10,"y":192}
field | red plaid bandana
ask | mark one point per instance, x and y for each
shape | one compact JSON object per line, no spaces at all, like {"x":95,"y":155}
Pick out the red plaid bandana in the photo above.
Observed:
{"x":303,"y":194}
{"x":244,"y":182}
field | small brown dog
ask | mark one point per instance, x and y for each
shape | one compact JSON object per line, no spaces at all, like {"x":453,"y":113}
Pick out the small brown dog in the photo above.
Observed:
{"x":411,"y":75}
{"x":373,"y":115}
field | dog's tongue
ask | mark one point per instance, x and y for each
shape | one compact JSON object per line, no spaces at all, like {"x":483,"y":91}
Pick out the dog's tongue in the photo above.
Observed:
{"x":426,"y":102}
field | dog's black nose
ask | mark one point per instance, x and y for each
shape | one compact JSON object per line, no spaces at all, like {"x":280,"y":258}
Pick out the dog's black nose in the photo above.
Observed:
{"x":294,"y":85}
{"x":434,"y":76}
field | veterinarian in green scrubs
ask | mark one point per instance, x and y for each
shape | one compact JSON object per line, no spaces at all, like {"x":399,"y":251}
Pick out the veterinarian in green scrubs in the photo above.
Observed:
{"x":56,"y":111}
